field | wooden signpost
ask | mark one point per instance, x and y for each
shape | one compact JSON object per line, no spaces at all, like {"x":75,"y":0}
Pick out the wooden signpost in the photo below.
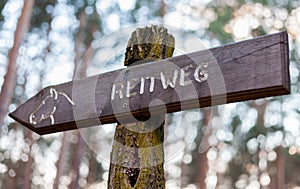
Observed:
{"x":246,"y":70}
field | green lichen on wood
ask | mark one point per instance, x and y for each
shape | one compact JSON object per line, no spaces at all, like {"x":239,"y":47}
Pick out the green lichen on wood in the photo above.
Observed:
{"x":137,"y":155}
{"x":149,"y":43}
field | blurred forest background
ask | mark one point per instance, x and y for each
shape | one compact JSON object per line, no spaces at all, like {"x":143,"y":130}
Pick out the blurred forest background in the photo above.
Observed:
{"x":250,"y":145}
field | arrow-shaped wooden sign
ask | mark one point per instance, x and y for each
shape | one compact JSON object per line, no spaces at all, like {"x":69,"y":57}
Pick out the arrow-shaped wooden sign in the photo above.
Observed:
{"x":241,"y":71}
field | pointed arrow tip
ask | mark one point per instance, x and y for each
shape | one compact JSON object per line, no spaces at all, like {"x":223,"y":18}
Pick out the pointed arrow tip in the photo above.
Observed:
{"x":12,"y":115}
{"x":15,"y":115}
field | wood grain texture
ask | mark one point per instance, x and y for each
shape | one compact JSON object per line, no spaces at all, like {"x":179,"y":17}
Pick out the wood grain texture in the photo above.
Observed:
{"x":246,"y":70}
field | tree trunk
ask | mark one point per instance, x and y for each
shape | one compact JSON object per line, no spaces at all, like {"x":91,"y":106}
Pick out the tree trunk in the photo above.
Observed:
{"x":28,"y":165}
{"x":201,"y":158}
{"x":137,"y":155}
{"x":81,"y":73}
{"x":7,"y":89}
{"x":80,"y":68}
{"x":79,"y":42}
{"x":78,"y":147}
{"x":59,"y":163}
{"x":280,"y":168}
{"x":76,"y":160}
{"x":11,"y":180}
{"x":92,"y":176}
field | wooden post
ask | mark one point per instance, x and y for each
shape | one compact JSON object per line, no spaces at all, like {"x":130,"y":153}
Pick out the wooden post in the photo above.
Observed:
{"x":137,"y":155}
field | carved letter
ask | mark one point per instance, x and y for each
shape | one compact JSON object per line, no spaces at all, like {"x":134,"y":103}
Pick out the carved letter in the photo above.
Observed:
{"x":166,"y":82}
{"x":201,"y":72}
{"x":142,"y":86}
{"x":152,"y":83}
{"x":130,"y":86}
{"x":116,"y":90}
{"x":184,"y":80}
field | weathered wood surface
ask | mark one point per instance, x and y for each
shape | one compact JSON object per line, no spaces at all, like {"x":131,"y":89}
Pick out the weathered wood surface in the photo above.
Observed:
{"x":246,"y":70}
{"x":137,"y":156}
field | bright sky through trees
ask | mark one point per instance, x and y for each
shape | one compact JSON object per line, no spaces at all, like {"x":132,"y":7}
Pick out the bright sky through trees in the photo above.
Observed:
{"x":245,"y":138}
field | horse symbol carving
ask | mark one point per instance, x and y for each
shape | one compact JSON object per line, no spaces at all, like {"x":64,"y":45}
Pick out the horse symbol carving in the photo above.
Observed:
{"x":36,"y":116}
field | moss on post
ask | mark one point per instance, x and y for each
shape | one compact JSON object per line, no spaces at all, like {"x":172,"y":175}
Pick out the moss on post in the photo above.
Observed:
{"x":137,"y":155}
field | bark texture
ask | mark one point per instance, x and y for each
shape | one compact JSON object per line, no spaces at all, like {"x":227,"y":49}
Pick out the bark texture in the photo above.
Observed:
{"x":137,"y":155}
